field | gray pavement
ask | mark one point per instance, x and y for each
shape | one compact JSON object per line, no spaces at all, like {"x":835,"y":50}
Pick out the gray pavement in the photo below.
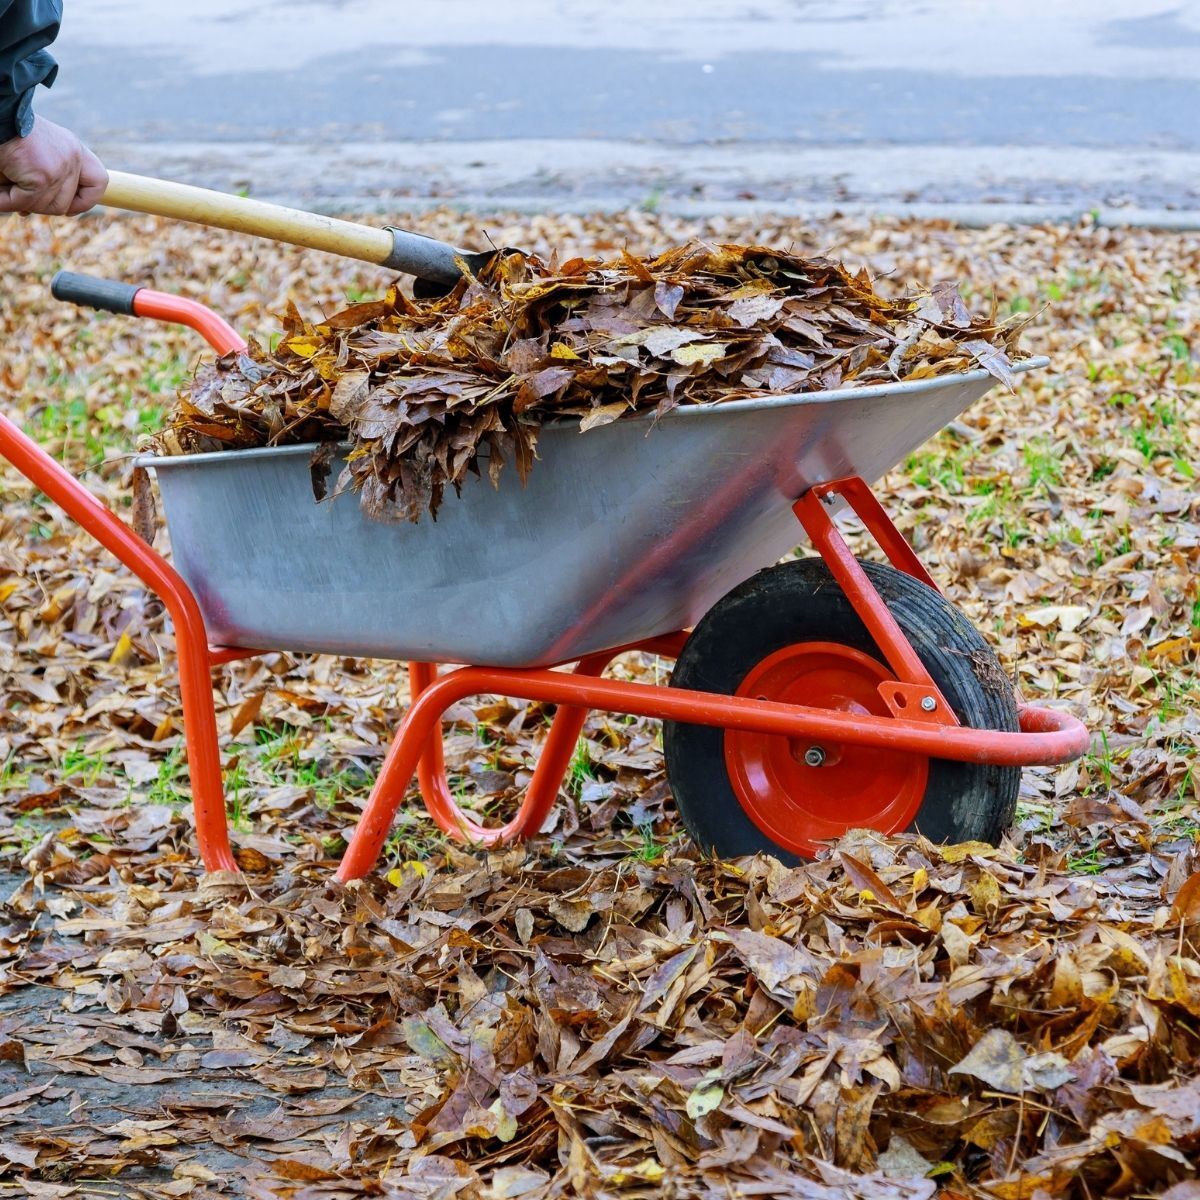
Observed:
{"x":84,"y":1094}
{"x":788,"y":103}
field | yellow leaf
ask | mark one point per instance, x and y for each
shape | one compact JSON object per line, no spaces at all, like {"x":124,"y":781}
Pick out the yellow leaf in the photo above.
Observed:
{"x":1185,"y":987}
{"x":603,"y":415}
{"x":7,"y":589}
{"x":924,"y":371}
{"x":305,"y":347}
{"x":984,"y":893}
{"x":756,"y":287}
{"x":1067,"y":616}
{"x":929,"y":917}
{"x":648,"y":1170}
{"x":705,"y":1096}
{"x":1125,"y":956}
{"x":1173,"y":649}
{"x":215,"y":947}
{"x":699,"y":352}
{"x":805,"y":1006}
{"x":964,"y":850}
{"x":121,"y":650}
{"x":195,"y":1170}
{"x":506,"y":1123}
{"x":991,"y":1127}
{"x":1067,"y":987}
{"x":396,"y":875}
{"x":563,"y":351}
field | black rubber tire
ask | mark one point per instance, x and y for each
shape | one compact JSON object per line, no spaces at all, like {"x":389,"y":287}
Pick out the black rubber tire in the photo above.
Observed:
{"x":799,"y":601}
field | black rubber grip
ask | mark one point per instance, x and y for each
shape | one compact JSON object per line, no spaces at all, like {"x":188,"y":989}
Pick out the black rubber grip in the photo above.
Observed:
{"x":89,"y":292}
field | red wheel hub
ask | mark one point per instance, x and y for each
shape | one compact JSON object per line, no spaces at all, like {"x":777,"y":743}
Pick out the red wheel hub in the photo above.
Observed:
{"x":800,"y":792}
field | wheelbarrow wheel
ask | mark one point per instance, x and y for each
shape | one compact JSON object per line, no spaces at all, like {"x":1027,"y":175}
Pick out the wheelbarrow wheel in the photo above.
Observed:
{"x":790,"y":634}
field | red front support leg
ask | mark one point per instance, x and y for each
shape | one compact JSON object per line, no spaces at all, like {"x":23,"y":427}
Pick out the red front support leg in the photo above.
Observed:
{"x":542,"y":792}
{"x":913,"y":694}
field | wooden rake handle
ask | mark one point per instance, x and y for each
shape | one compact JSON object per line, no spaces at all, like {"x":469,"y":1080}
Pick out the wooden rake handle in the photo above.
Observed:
{"x":396,"y":249}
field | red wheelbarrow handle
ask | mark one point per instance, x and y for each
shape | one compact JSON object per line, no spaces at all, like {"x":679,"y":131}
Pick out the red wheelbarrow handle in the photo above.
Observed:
{"x":191,"y":638}
{"x":131,"y":300}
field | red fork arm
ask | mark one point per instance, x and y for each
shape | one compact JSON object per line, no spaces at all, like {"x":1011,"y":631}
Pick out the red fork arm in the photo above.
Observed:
{"x":847,"y":570}
{"x":1046,"y":736}
{"x":913,"y":683}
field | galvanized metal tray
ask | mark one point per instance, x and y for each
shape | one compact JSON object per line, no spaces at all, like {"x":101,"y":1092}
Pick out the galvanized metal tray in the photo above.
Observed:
{"x":622,"y":533}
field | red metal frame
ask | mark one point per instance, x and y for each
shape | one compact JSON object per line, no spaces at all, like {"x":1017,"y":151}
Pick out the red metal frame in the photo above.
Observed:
{"x":195,"y":658}
{"x":913,"y":683}
{"x":195,"y":683}
{"x":162,"y":306}
{"x":1045,"y":736}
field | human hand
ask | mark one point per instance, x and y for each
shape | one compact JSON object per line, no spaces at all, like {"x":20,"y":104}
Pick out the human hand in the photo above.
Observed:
{"x":51,"y":171}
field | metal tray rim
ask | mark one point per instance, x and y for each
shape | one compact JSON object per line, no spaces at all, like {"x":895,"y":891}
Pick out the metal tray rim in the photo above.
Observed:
{"x":683,"y":412}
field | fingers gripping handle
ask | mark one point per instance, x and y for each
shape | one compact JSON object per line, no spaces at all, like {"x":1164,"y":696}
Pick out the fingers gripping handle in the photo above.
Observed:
{"x":89,"y":292}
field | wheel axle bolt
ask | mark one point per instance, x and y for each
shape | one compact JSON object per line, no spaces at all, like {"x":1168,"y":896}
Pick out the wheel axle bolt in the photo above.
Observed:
{"x":928,"y":703}
{"x":814,"y":756}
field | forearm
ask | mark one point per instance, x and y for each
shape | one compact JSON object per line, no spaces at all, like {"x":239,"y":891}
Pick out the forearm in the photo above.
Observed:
{"x":43,"y":168}
{"x":27,"y":27}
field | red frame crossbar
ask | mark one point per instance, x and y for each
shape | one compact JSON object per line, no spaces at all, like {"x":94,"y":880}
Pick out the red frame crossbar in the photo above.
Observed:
{"x":926,"y":727}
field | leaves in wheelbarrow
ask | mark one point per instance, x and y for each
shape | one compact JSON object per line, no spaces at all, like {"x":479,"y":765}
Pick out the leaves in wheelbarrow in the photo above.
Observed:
{"x":426,"y":392}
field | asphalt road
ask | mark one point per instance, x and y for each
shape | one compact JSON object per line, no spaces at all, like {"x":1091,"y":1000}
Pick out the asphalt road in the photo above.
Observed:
{"x":1073,"y":102}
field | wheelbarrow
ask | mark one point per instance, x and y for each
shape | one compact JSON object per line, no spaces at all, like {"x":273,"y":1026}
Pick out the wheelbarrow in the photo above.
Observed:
{"x":808,"y":696}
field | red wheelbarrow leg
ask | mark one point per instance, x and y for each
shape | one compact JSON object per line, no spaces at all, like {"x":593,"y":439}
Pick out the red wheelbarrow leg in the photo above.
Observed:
{"x":195,"y":682}
{"x":431,"y":770}
{"x":435,"y":788}
{"x":557,"y":753}
{"x":417,"y":748}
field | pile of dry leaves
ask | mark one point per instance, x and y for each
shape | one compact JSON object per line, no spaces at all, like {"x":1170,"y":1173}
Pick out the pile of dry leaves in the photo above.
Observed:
{"x":419,"y":387}
{"x":593,"y":1023}
{"x":603,"y":1014}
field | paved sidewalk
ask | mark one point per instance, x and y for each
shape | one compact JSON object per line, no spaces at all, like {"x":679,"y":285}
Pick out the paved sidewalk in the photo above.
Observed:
{"x":792,"y":103}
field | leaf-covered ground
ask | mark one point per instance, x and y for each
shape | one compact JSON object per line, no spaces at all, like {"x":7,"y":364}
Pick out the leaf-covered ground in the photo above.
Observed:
{"x":601,"y":1014}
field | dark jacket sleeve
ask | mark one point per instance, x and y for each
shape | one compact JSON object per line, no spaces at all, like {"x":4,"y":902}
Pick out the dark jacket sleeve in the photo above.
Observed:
{"x":27,"y":27}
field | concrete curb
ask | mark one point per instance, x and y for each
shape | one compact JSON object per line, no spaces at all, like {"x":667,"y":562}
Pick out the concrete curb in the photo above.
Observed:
{"x":972,"y":216}
{"x":969,"y":216}
{"x":966,"y":185}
